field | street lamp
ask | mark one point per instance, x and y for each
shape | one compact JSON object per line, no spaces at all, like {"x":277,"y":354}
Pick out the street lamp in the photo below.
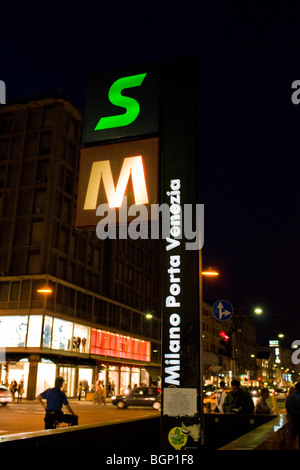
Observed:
{"x":45,"y":290}
{"x":210,"y":272}
{"x":258,"y":310}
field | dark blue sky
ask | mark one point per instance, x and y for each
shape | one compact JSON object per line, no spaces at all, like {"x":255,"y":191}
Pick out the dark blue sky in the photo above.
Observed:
{"x":249,"y":130}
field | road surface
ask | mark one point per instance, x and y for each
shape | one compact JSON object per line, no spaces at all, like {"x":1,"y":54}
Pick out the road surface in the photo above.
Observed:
{"x":24,"y":417}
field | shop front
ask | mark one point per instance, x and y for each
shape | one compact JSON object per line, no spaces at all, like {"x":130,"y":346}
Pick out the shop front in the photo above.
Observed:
{"x":40,"y":347}
{"x":118,"y":378}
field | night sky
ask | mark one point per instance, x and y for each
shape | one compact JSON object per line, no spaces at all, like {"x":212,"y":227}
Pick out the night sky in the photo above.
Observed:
{"x":249,"y":129}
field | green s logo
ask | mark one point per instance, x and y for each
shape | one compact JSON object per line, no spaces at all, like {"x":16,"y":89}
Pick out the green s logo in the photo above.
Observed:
{"x":116,"y":98}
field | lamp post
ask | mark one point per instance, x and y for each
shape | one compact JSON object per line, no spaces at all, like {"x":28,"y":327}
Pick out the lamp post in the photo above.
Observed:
{"x":210,"y":272}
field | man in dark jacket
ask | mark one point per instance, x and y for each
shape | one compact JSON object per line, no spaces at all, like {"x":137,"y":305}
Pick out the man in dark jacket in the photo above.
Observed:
{"x":238,"y":400}
{"x":56,"y":398}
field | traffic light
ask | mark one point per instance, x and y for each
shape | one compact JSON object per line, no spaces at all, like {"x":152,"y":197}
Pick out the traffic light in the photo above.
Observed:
{"x":226,"y":343}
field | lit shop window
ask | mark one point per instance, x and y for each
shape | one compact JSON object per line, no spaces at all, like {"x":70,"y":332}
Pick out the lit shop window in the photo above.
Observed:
{"x":34,"y":331}
{"x":13,"y":331}
{"x":47,"y":333}
{"x":62,"y":334}
{"x":81,"y":338}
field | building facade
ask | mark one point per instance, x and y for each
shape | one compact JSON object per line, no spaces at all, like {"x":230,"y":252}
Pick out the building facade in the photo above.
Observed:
{"x":101,"y":288}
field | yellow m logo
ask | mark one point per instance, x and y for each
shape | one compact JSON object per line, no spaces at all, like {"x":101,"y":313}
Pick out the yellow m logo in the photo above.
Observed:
{"x":132,"y":166}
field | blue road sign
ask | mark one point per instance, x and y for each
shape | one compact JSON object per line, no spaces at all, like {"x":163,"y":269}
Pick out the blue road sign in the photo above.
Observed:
{"x":222,"y":310}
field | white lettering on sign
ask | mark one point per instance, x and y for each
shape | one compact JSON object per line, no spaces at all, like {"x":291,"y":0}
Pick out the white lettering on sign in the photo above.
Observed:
{"x":172,"y":301}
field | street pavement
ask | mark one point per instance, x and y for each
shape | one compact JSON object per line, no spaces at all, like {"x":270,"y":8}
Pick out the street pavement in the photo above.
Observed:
{"x":28,"y":415}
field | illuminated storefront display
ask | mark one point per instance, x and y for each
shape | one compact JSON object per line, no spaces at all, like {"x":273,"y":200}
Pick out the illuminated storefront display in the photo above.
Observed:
{"x":25,"y":331}
{"x":19,"y":331}
{"x":45,"y":376}
{"x":34,"y":331}
{"x":64,"y":335}
{"x":13,"y":331}
{"x":105,"y":343}
{"x":50,"y":334}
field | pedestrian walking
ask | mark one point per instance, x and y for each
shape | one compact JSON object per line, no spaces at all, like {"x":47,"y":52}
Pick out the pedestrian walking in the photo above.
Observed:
{"x":292,"y":405}
{"x":238,"y":400}
{"x":13,"y":388}
{"x":97,"y":394}
{"x":56,"y":398}
{"x":20,"y":390}
{"x":102,"y":395}
{"x":262,"y":407}
{"x":79,"y":390}
{"x":220,"y":397}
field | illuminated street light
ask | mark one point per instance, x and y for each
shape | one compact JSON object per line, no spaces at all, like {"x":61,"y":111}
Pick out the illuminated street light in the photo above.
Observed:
{"x":258,"y":311}
{"x":280,"y":335}
{"x":149,"y":316}
{"x":210,"y":272}
{"x":45,"y":290}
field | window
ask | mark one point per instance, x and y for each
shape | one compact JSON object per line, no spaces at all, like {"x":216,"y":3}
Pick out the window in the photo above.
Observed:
{"x":4,"y":289}
{"x":42,"y":171}
{"x":7,"y":123}
{"x":114,"y":315}
{"x":34,"y":262}
{"x":45,"y":143}
{"x":4,"y":148}
{"x":34,"y":330}
{"x":31,"y":145}
{"x":37,"y":232}
{"x":49,"y":116}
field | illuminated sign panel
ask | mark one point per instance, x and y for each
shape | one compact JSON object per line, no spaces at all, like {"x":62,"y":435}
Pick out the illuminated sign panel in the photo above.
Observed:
{"x":114,"y":345}
{"x":121,"y":104}
{"x":108,"y":173}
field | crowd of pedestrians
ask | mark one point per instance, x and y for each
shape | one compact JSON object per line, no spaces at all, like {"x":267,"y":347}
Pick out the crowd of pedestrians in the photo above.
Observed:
{"x":239,"y":400}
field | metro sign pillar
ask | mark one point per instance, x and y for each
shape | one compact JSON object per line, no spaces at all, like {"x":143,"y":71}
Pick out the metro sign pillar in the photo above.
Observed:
{"x":182,"y":414}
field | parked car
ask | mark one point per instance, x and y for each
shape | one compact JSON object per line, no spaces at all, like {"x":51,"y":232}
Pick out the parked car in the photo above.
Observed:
{"x":139,"y":396}
{"x":5,"y":395}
